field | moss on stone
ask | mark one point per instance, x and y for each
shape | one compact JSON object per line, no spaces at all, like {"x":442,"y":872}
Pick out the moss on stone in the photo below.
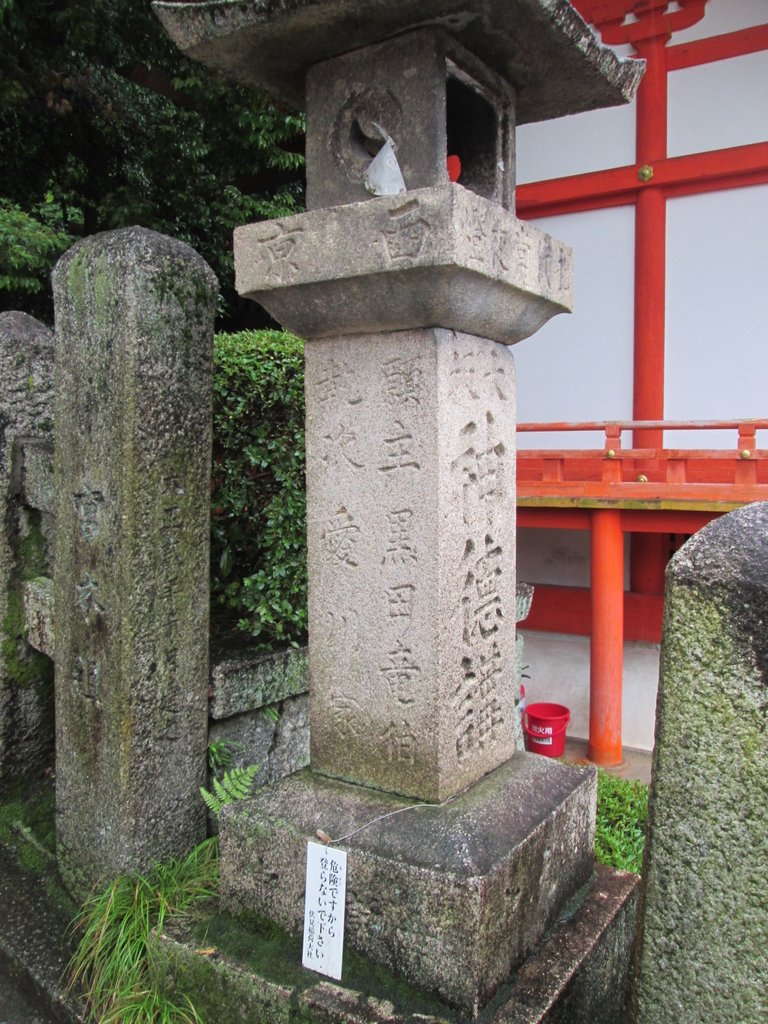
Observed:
{"x":31,"y":549}
{"x":274,"y":955}
{"x":27,"y":810}
{"x":23,"y":665}
{"x":76,"y":277}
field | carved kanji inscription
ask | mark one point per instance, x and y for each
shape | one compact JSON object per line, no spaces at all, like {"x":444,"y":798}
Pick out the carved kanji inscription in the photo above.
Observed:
{"x":340,"y":536}
{"x":403,"y":381}
{"x":400,"y":549}
{"x":400,"y":743}
{"x":401,"y":673}
{"x":400,"y":450}
{"x":342,"y":449}
{"x":88,"y":508}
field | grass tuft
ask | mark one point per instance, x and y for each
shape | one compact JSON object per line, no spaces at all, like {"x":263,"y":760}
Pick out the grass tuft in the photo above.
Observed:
{"x":622,"y":811}
{"x":111,"y":963}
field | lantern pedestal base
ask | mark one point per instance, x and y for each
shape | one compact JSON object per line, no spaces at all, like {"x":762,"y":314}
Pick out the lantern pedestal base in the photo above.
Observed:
{"x":449,"y":897}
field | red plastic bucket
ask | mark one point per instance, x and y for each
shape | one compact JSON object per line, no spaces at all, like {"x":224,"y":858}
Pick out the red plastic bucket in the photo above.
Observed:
{"x":545,"y":726}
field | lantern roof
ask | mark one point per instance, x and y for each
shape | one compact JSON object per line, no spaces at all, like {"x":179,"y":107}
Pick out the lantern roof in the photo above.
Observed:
{"x":542,"y":47}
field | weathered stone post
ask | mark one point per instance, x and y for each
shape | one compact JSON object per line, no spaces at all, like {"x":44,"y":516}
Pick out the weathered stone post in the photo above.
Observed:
{"x":26,"y":411}
{"x":704,"y":912}
{"x":134,"y":336}
{"x":409,"y":290}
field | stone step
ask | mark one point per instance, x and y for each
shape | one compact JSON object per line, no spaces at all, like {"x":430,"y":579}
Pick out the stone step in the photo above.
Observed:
{"x":34,"y":941}
{"x":579,"y":973}
{"x":451,"y":897}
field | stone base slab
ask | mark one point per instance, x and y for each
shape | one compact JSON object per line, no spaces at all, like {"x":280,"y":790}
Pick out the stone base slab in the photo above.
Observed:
{"x":578,"y":975}
{"x":450,"y":897}
{"x":431,"y":257}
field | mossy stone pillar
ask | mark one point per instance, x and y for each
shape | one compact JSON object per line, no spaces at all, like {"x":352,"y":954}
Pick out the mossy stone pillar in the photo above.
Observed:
{"x":134,"y":339}
{"x":26,"y":410}
{"x":704,"y":931}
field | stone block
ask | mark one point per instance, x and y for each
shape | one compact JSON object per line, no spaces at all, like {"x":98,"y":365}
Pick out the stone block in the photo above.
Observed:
{"x":38,"y":614}
{"x":581,"y":973}
{"x":450,"y":897}
{"x":542,"y":47}
{"x":434,"y":257}
{"x":243,"y":685}
{"x":26,"y":410}
{"x":37,"y":488}
{"x":290,"y":745}
{"x":36,"y":940}
{"x":279,"y":746}
{"x":410,"y":531}
{"x":246,"y":680}
{"x":704,"y":929}
{"x":134,"y":318}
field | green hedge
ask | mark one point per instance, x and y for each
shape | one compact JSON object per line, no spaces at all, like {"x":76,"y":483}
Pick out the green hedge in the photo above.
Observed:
{"x":258,"y":523}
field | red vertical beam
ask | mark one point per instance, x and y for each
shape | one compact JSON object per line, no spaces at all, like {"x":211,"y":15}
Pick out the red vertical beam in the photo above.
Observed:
{"x":648,"y":557}
{"x":607,"y":643}
{"x":650,"y":245}
{"x":650,"y":553}
{"x":650,"y":288}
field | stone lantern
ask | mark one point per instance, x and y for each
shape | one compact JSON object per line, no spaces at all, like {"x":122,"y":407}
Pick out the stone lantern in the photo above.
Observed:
{"x":409,"y":287}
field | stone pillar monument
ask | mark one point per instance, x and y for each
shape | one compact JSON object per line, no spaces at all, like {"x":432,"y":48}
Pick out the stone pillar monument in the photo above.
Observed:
{"x":134,"y":345}
{"x":409,"y":287}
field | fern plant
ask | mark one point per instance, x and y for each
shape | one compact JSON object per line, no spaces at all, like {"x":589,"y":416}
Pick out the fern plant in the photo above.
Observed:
{"x":233,"y":785}
{"x":221,"y":754}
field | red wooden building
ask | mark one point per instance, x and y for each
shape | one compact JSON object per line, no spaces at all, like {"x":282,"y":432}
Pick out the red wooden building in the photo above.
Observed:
{"x":642,"y":416}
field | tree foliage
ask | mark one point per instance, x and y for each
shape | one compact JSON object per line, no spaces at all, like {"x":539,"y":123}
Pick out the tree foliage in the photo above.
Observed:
{"x":103,"y":123}
{"x":28,"y":244}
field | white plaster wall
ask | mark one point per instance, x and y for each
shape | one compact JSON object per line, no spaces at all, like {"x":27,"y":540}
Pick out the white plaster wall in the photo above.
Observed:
{"x":558,"y":667}
{"x":558,"y":557}
{"x":717,"y":311}
{"x":592,"y":141}
{"x":725,"y":16}
{"x":719,"y":105}
{"x":579,"y":366}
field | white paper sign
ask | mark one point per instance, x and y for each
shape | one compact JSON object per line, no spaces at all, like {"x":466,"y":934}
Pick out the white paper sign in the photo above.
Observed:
{"x":384,"y":177}
{"x":324,"y":910}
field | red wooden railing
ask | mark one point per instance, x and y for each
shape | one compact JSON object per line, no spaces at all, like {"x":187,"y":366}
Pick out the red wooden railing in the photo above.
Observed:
{"x":644,"y":477}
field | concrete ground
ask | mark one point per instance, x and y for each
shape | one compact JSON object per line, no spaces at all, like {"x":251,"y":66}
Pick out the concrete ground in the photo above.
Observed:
{"x":14,"y":1006}
{"x":557,"y":670}
{"x":635,"y":765}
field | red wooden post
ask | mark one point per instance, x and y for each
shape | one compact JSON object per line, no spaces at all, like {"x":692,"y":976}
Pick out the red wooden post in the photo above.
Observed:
{"x":650,"y":554}
{"x":650,"y":243}
{"x":646,"y":559}
{"x":607,"y":645}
